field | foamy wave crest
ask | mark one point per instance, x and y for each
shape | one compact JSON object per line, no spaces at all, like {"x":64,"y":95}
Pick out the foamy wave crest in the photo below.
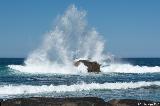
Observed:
{"x":128,"y":68}
{"x":29,"y":89}
{"x":81,"y":69}
{"x":54,"y":68}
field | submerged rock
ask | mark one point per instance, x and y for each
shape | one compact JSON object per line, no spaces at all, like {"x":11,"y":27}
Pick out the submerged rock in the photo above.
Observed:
{"x":91,"y":66}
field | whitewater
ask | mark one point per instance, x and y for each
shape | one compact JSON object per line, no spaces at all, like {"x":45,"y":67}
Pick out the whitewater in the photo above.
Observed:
{"x":30,"y":89}
{"x":72,"y":39}
{"x":48,"y":71}
{"x":112,"y":68}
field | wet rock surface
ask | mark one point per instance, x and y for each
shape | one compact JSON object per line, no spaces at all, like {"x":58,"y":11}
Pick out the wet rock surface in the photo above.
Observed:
{"x":75,"y":101}
{"x":91,"y":66}
{"x":85,"y":101}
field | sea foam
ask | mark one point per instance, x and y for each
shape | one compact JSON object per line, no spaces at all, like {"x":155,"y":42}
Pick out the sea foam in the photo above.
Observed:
{"x":112,"y":68}
{"x":30,"y":89}
{"x":128,"y":68}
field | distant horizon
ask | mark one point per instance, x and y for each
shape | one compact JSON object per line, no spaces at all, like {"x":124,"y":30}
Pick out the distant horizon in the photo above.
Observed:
{"x":115,"y":57}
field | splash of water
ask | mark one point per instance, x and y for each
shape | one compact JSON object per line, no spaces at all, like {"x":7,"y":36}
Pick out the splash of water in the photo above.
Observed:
{"x":70,"y":39}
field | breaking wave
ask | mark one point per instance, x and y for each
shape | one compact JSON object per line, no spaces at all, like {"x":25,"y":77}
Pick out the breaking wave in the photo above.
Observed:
{"x":30,"y":89}
{"x":128,"y":68}
{"x":70,"y":39}
{"x":112,"y":68}
{"x":54,"y":68}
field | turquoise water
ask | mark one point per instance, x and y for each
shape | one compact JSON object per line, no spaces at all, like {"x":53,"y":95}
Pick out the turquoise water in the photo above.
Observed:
{"x":111,"y":85}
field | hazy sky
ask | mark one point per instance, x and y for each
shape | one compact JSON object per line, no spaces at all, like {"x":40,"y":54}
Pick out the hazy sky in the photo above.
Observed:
{"x":131,"y":27}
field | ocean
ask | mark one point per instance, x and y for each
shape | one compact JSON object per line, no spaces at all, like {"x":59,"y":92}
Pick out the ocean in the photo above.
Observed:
{"x":48,"y":70}
{"x":128,"y":78}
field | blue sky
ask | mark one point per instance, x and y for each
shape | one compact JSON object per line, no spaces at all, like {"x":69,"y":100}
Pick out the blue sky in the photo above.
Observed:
{"x":131,"y":28}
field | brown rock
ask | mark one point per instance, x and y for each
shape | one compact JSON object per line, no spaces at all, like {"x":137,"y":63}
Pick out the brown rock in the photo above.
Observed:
{"x":92,"y":66}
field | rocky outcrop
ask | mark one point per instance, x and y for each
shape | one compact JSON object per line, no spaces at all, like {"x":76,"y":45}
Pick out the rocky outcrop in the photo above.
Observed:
{"x":91,"y":66}
{"x":132,"y":102}
{"x":75,"y":101}
{"x":1,"y":101}
{"x":42,"y":101}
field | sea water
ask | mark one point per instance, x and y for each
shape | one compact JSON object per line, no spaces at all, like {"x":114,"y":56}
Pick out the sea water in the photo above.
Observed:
{"x":110,"y":85}
{"x":48,"y":71}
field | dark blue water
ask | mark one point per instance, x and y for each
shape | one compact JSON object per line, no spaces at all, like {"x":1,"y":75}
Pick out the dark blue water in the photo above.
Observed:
{"x":145,"y":85}
{"x":142,"y":61}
